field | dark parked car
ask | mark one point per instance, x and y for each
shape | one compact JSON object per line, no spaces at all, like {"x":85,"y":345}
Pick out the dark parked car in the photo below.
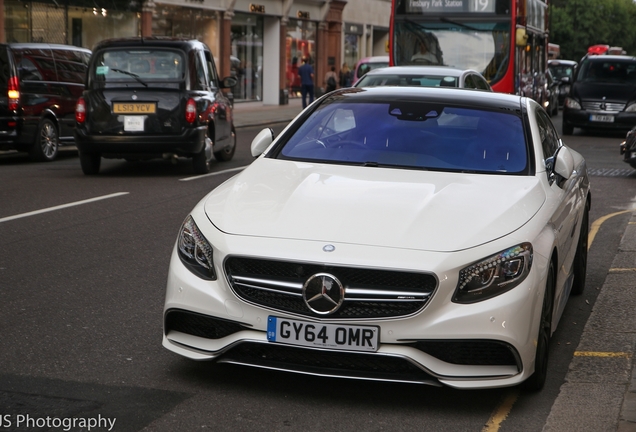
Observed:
{"x":553,"y":94}
{"x":39,"y":85}
{"x":628,"y":148}
{"x":153,"y":97}
{"x":563,"y":72}
{"x":603,"y":95}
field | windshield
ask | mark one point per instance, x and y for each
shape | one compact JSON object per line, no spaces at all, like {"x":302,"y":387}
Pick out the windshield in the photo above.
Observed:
{"x":483,"y":47}
{"x":610,"y":71}
{"x":560,"y":71}
{"x":138,"y":65}
{"x":412,"y":135}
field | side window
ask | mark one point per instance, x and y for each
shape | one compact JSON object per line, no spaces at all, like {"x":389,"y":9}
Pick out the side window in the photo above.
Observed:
{"x":28,"y":71}
{"x":212,"y":75}
{"x":70,"y":66}
{"x":481,"y":83}
{"x":469,"y":82}
{"x":549,"y":137}
{"x":201,"y":75}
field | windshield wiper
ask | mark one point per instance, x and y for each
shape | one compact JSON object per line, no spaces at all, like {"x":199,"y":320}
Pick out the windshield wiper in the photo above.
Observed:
{"x":135,"y":76}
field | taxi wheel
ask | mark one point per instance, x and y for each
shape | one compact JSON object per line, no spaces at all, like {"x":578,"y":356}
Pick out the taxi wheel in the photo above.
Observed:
{"x":580,"y":259}
{"x":46,"y":142}
{"x":90,"y":163}
{"x":537,"y":380}
{"x":227,"y":153}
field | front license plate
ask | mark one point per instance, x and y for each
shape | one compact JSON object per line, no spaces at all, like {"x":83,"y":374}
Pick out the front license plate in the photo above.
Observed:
{"x":134,"y":107}
{"x":602,"y":118}
{"x":134,"y":123}
{"x":333,"y":336}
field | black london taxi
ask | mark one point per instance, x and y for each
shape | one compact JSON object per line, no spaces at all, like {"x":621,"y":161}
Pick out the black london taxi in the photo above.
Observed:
{"x":154,"y":97}
{"x":39,"y":85}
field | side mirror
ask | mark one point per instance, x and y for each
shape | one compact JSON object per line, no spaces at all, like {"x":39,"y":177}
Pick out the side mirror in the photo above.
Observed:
{"x":228,"y":82}
{"x":564,"y":163}
{"x":261,"y":142}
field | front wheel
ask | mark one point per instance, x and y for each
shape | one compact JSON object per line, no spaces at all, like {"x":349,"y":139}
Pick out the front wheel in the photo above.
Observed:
{"x":46,"y":142}
{"x":580,"y":259}
{"x":90,"y":163}
{"x":228,"y":152}
{"x":567,"y":129}
{"x":537,"y":379}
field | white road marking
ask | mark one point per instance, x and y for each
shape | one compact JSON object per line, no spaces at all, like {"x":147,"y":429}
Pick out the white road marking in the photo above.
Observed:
{"x":49,"y":209}
{"x":214,"y":173}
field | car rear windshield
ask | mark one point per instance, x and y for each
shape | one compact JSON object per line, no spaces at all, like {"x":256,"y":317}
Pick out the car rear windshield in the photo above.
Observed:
{"x":141,"y":65}
{"x":407,"y":80}
{"x":411,"y":135}
{"x":613,"y":71}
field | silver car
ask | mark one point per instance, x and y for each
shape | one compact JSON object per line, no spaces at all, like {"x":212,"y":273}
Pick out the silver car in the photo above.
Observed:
{"x":424,"y":76}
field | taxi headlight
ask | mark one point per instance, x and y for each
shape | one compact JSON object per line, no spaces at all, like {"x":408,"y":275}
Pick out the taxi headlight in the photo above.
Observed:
{"x":494,"y":275}
{"x":195,"y":251}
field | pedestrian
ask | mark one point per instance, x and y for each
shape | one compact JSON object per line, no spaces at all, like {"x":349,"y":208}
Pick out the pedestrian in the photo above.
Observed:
{"x":331,"y":82}
{"x":306,"y":73}
{"x":345,"y":75}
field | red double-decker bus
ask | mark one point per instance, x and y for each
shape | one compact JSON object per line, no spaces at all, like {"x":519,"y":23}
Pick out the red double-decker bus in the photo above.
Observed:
{"x":505,"y":40}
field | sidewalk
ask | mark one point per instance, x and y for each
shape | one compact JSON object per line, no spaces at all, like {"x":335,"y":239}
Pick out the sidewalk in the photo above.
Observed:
{"x":599,"y":393}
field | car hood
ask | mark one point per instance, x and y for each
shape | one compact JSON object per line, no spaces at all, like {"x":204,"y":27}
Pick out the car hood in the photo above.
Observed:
{"x":396,"y":208}
{"x":612,"y":92}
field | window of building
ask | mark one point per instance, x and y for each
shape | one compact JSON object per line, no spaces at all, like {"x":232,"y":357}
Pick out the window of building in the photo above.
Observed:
{"x":247,"y":49}
{"x":300,"y":43}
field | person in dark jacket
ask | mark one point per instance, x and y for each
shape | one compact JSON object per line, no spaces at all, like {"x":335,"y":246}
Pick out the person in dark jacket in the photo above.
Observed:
{"x":306,"y":73}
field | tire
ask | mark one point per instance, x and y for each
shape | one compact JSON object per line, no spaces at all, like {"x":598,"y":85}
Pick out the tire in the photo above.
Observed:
{"x":227,"y":153}
{"x":47,"y":143}
{"x":580,"y":259}
{"x":201,"y":163}
{"x":90,"y":163}
{"x":567,"y":129}
{"x":537,"y":380}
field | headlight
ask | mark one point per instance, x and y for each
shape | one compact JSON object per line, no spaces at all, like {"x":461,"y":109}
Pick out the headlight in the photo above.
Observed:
{"x":571,"y":103}
{"x":195,"y":251}
{"x":494,"y":275}
{"x":631,"y":108}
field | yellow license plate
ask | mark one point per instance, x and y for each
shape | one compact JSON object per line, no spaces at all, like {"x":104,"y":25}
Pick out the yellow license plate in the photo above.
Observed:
{"x":134,"y":107}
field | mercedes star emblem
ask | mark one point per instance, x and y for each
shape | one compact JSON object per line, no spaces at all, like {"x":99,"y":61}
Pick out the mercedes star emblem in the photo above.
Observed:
{"x":323,"y":293}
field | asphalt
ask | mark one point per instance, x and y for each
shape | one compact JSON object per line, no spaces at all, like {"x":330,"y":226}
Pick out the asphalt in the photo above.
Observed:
{"x":599,"y":392}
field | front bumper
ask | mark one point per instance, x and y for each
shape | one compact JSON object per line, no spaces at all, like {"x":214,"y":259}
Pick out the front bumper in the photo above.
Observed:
{"x":583,"y":119}
{"x":188,"y":143}
{"x":414,"y":348}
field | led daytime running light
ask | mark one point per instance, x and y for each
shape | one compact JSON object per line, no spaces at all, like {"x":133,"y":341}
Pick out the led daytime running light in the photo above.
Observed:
{"x":195,"y":249}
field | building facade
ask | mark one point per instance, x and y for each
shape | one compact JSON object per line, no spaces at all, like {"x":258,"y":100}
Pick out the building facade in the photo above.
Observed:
{"x":253,"y":40}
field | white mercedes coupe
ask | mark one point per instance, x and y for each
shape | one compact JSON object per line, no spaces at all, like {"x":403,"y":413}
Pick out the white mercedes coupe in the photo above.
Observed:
{"x":418,"y":235}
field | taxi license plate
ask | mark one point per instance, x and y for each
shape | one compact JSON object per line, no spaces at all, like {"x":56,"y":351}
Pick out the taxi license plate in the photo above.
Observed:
{"x":134,"y":107}
{"x":602,"y":118}
{"x":332,"y":336}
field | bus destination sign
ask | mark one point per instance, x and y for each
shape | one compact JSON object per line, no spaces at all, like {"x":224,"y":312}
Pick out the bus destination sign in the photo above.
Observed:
{"x":450,"y":6}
